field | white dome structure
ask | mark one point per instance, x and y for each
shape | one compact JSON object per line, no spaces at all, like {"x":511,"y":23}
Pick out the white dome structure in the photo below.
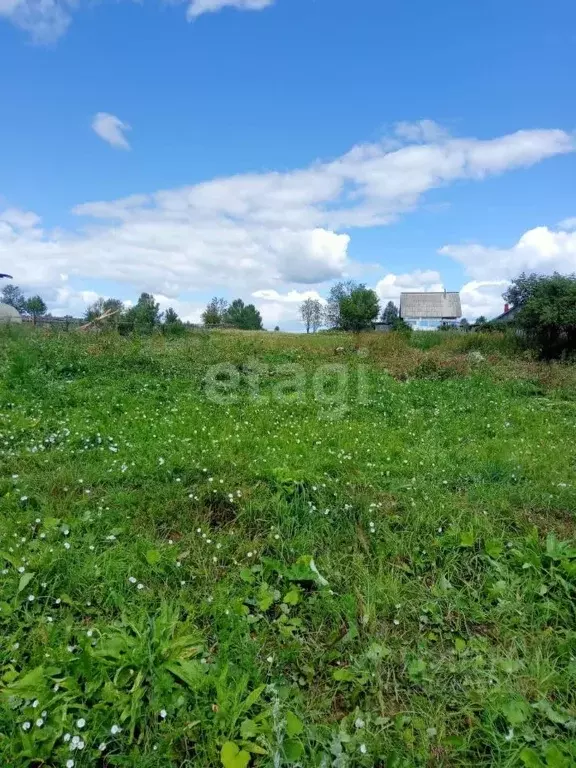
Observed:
{"x":8,"y":314}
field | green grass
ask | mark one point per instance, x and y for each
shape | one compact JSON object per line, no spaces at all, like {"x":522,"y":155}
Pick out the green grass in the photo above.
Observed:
{"x":384,"y":577}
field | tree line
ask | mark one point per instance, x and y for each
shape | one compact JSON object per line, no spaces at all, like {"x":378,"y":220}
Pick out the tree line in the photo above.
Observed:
{"x":545,"y":312}
{"x":236,"y":315}
{"x":350,"y":306}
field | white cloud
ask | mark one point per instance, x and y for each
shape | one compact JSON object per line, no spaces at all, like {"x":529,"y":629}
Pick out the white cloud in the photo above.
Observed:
{"x":44,"y":20}
{"x":111,"y":129}
{"x":198,"y":7}
{"x":483,"y":298}
{"x":20,"y":219}
{"x":540,"y":250}
{"x":283,"y":309}
{"x":267,"y":232}
{"x":47,"y":20}
{"x":568,"y":224}
{"x":189,"y":311}
{"x":421,"y":131}
{"x":292,"y":297}
{"x":392,"y":285}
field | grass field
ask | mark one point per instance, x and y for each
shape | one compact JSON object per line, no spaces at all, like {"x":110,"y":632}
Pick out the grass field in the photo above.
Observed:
{"x":252,"y":549}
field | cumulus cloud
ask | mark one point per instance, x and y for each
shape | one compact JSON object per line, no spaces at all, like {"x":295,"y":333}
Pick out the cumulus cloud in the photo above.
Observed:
{"x":392,"y":285}
{"x":540,"y":250}
{"x":283,"y":309}
{"x":483,"y":298}
{"x":111,"y":129}
{"x":198,"y":7}
{"x":269,"y":231}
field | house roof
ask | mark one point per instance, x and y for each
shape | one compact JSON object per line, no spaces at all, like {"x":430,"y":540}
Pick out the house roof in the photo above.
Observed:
{"x":441,"y":304}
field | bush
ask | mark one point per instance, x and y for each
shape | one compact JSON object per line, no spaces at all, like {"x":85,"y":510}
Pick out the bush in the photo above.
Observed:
{"x":547,"y":313}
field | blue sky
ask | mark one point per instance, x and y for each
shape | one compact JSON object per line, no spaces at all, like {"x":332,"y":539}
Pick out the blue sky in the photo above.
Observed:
{"x":275,"y":146}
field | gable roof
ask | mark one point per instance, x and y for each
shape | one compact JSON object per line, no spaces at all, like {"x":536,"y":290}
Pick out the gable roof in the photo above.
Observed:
{"x":441,"y":304}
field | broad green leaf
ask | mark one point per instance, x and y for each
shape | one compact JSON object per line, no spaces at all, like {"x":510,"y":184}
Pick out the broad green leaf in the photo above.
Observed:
{"x":416,"y":668}
{"x":294,"y":726}
{"x":292,"y":597}
{"x":247,"y":576}
{"x":25,"y":579}
{"x":248,"y":729}
{"x":233,"y":757}
{"x":516,"y":711}
{"x":552,"y":714}
{"x":530,"y":758}
{"x":30,"y":686}
{"x":193,"y":673}
{"x":460,"y":644}
{"x":293,"y":750}
{"x":265,"y":597}
{"x":344,"y":675}
{"x":494,"y":548}
{"x":444,"y":584}
{"x":254,"y":749}
{"x":555,"y":758}
{"x":153,"y":557}
{"x":378,"y":651}
{"x":466,"y":539}
{"x":9,"y":558}
{"x":252,"y":698}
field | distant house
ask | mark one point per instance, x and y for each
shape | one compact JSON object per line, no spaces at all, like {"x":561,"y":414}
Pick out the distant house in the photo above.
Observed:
{"x":429,"y":310}
{"x":508,"y":316}
{"x":9,"y":315}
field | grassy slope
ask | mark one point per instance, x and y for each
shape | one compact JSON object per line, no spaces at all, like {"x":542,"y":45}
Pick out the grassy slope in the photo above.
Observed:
{"x":439,"y":509}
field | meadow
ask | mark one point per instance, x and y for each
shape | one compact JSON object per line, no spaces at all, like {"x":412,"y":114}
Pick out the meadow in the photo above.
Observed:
{"x":252,"y":549}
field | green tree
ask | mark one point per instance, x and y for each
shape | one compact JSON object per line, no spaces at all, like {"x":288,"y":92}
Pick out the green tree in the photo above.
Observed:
{"x":35,"y":306}
{"x":390,"y":313}
{"x":215,"y":311}
{"x":401,"y":326}
{"x":547,"y":312}
{"x":338,"y":292}
{"x":171,"y":316}
{"x":359,"y":309}
{"x":464,"y":324}
{"x":521,"y":289}
{"x":102,"y":306}
{"x":311,"y":313}
{"x":244,"y":316}
{"x":145,"y":315}
{"x":172,"y":324}
{"x":251,"y":319}
{"x":481,"y":320}
{"x":13,"y":296}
